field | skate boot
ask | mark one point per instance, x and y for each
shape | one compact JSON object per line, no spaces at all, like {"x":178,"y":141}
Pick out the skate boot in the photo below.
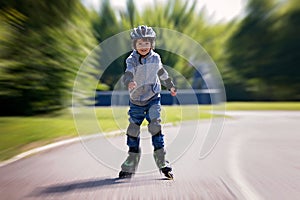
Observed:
{"x":163,"y":165}
{"x":130,"y":165}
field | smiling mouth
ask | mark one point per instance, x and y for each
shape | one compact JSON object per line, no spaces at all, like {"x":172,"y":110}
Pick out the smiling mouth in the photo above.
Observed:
{"x":144,"y":50}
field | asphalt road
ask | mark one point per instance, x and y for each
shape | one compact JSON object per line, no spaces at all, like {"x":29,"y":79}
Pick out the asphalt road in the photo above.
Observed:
{"x":257,"y":157}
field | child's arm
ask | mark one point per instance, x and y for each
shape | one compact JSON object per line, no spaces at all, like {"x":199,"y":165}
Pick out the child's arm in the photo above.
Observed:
{"x":164,"y":76}
{"x":128,"y":78}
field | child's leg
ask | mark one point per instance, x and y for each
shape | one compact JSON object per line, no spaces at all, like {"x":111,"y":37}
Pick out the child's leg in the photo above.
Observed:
{"x":158,"y":141}
{"x":133,"y":139}
{"x":162,"y":164}
{"x":130,"y":165}
{"x":154,"y":126}
{"x":136,"y":117}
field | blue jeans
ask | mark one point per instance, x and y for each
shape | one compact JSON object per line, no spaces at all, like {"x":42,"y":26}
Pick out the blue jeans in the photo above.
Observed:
{"x":137,"y":114}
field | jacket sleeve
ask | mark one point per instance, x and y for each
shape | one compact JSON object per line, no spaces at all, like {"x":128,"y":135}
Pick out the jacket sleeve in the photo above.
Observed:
{"x":164,"y":76}
{"x":129,"y":72}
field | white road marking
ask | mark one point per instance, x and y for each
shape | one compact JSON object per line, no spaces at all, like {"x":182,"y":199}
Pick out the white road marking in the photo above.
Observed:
{"x":244,"y":186}
{"x":57,"y":144}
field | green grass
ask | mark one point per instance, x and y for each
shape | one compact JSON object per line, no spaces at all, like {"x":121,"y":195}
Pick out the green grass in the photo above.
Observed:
{"x":18,"y":134}
{"x":263,"y":106}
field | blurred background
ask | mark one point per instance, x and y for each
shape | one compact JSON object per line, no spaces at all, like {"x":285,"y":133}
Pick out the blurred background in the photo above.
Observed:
{"x":255,"y":45}
{"x":43,"y":43}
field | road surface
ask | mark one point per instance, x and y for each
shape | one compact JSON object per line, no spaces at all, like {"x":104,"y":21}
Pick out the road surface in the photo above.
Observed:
{"x":257,"y":157}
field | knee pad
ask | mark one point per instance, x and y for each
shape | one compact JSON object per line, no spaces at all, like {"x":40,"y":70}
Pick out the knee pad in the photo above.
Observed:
{"x":133,"y":130}
{"x":154,"y":126}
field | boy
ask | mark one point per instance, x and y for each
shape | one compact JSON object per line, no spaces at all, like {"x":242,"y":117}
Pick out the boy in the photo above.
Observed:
{"x":144,"y":69}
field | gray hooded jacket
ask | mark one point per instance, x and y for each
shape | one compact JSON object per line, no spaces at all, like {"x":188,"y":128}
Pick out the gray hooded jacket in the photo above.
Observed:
{"x":146,"y":72}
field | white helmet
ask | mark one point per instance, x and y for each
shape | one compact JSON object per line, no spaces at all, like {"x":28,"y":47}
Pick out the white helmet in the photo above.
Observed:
{"x":143,"y":32}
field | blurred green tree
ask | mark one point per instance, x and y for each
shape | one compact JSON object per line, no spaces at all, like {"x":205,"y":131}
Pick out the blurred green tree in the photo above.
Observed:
{"x":264,"y":51}
{"x":43,"y":43}
{"x":286,"y":72}
{"x":105,"y":25}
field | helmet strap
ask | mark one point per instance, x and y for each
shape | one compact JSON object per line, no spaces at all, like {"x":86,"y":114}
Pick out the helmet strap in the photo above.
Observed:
{"x":141,"y":56}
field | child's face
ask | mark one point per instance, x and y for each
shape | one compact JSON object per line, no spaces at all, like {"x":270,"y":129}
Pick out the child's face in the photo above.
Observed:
{"x":143,"y":46}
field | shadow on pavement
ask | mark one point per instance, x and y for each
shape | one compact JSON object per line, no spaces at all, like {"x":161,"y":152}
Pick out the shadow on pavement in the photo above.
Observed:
{"x":92,"y":184}
{"x":77,"y":185}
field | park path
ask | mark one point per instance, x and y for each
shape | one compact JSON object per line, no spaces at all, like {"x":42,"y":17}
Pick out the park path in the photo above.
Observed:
{"x":257,"y":157}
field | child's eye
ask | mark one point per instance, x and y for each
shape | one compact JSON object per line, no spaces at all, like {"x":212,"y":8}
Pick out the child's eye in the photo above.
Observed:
{"x":143,"y":43}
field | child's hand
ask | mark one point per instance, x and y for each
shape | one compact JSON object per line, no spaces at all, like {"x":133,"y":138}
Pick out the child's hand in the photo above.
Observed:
{"x":173,"y":91}
{"x":132,"y":85}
